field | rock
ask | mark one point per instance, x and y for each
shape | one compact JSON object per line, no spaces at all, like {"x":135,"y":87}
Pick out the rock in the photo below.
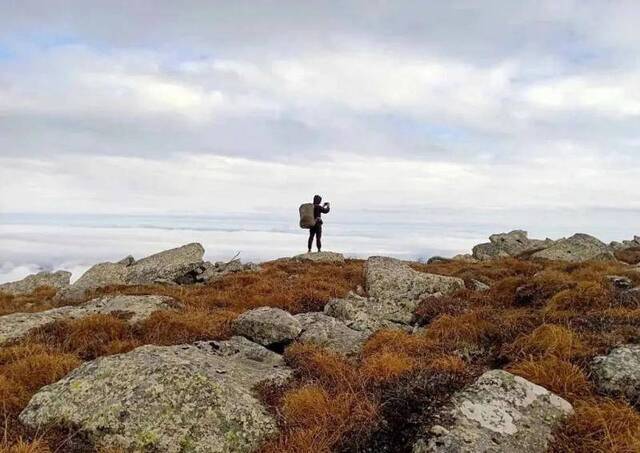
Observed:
{"x":127,"y":260}
{"x":267,"y":326}
{"x":212,"y":272}
{"x":58,"y":280}
{"x":618,"y":373}
{"x":396,"y":288}
{"x":578,"y":248}
{"x":320,"y":257}
{"x":477,"y":285}
{"x":438,"y":259}
{"x":197,"y":398}
{"x":330,"y":333}
{"x":620,"y":282}
{"x":513,"y":244}
{"x":361,"y":314}
{"x":465,"y":258}
{"x":500,"y":412}
{"x":635,"y":242}
{"x":98,"y":276}
{"x":170,"y":265}
{"x":136,"y":308}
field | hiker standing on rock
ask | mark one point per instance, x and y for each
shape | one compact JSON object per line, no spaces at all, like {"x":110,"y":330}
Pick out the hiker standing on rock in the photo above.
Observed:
{"x":314,"y":224}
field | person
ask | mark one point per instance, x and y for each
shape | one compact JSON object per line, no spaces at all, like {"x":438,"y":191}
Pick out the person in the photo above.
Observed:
{"x":316,"y":230}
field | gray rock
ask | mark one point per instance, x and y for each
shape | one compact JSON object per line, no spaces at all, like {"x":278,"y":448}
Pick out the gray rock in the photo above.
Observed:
{"x":267,"y":326}
{"x":578,"y":248}
{"x":135,"y":308}
{"x":58,"y":280}
{"x":466,"y":258}
{"x":197,"y":398}
{"x":212,"y":272}
{"x":98,"y":276}
{"x":362,"y":314}
{"x":635,"y":242}
{"x":618,"y":373}
{"x":477,"y":285}
{"x":168,"y":265}
{"x":513,"y":243}
{"x":396,"y":288}
{"x":127,"y":260}
{"x":320,"y":257}
{"x":330,"y":333}
{"x":438,"y":259}
{"x":500,"y":412}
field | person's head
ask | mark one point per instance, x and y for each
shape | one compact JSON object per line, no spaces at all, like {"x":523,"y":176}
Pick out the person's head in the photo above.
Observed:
{"x":317,"y":199}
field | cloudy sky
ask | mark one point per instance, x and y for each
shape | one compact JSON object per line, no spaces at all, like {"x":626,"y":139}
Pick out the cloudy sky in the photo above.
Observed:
{"x":498,"y":109}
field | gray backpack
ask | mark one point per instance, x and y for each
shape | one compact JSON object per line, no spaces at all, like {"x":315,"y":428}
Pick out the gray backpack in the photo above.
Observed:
{"x":307,"y":220}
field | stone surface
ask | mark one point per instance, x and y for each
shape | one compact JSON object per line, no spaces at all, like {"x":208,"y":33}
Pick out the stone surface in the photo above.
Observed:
{"x":330,"y":333}
{"x":620,"y":282}
{"x":212,"y":272}
{"x":396,"y":288}
{"x":320,"y":257}
{"x":267,"y":326}
{"x":168,"y":265}
{"x":500,"y":412}
{"x":98,"y":276}
{"x":618,"y":373}
{"x":59,"y":280}
{"x":135,"y":308}
{"x":514,"y":243}
{"x":477,"y":285}
{"x":635,"y":242}
{"x":197,"y":398}
{"x":578,"y":248}
{"x":362,"y":314}
{"x":466,"y":258}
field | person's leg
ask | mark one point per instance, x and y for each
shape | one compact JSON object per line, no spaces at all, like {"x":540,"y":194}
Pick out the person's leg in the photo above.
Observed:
{"x":319,"y":237}
{"x":312,"y":232}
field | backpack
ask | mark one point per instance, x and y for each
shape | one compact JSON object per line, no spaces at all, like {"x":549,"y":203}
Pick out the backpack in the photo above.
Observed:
{"x":307,"y":220}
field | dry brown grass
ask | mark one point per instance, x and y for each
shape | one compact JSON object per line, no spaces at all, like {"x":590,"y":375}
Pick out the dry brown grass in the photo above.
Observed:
{"x":600,"y":426}
{"x":40,"y":299}
{"x":548,"y":339}
{"x":629,"y":256}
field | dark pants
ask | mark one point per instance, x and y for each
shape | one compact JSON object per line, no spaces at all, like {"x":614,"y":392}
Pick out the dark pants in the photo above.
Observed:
{"x":317,"y":232}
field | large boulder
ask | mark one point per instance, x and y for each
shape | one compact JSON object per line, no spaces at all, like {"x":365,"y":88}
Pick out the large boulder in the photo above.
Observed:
{"x":98,"y":276}
{"x":514,"y":243}
{"x":58,"y":280}
{"x":133,"y":308}
{"x":397,"y":288}
{"x":578,"y":248}
{"x":330,"y":333}
{"x":618,"y":373}
{"x":500,"y":412}
{"x":197,"y":398}
{"x":635,"y":242}
{"x":366,"y":315}
{"x":170,"y":265}
{"x":320,"y":257}
{"x":267,"y":326}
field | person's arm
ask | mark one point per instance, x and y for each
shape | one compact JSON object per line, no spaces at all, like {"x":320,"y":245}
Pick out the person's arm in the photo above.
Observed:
{"x":325,"y":208}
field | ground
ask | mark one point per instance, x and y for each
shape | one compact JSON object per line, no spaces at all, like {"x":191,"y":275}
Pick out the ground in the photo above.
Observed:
{"x":547,"y":331}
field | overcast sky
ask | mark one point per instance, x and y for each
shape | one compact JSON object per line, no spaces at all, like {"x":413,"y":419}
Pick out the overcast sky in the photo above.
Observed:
{"x":199,"y":106}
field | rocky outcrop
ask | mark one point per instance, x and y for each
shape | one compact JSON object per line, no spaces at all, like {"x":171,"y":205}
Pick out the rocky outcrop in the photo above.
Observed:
{"x":618,"y":373}
{"x":134,"y":308}
{"x":330,"y":333}
{"x":170,"y":265}
{"x":212,"y":272}
{"x":513,"y":243}
{"x":500,"y":412}
{"x":267,"y":326}
{"x":635,"y":242}
{"x":196,"y":398}
{"x":578,"y":248}
{"x":58,"y":280}
{"x":320,"y":257}
{"x":395,"y":288}
{"x":364,"y":315}
{"x":465,"y":258}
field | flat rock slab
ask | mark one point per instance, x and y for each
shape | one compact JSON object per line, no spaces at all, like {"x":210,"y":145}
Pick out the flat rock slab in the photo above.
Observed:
{"x":618,"y":373}
{"x":320,"y":257}
{"x":196,"y":398}
{"x":397,"y":288}
{"x":267,"y":326}
{"x":17,"y":325}
{"x":367,"y":315}
{"x":500,"y":412}
{"x":58,"y":280}
{"x":330,"y":333}
{"x":578,"y":248}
